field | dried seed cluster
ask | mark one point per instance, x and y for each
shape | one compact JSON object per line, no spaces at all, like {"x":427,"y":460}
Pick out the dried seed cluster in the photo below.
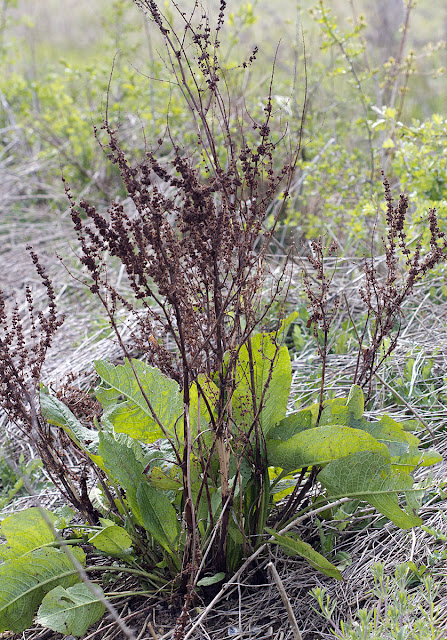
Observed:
{"x":22,"y":355}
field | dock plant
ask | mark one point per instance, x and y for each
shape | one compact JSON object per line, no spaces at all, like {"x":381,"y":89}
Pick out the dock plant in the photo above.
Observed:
{"x":196,"y":460}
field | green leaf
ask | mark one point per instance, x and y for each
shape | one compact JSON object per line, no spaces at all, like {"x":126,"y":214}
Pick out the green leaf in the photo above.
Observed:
{"x":319,"y":446}
{"x":293,"y":546}
{"x":409,"y":425}
{"x":356,"y":401}
{"x":25,"y":531}
{"x":388,"y":144}
{"x":113,"y":540}
{"x":126,"y":406}
{"x":369,"y":476}
{"x":403,"y":446}
{"x":285,"y":324}
{"x":57,"y":413}
{"x":271,"y":365}
{"x":70,"y":611}
{"x":336,"y":411}
{"x":291,"y":425}
{"x":64,"y":515}
{"x":408,"y":461}
{"x":209,"y":580}
{"x":24,"y":581}
{"x":158,"y":516}
{"x":122,"y":460}
{"x":391,"y":433}
{"x":166,"y":480}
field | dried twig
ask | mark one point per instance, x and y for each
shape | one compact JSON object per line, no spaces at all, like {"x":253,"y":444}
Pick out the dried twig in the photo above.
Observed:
{"x":286,"y":601}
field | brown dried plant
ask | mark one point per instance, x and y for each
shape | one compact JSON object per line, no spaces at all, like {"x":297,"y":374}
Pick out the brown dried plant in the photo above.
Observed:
{"x":194,"y":249}
{"x":384,"y":294}
{"x":25,"y":338}
{"x":385,"y":288}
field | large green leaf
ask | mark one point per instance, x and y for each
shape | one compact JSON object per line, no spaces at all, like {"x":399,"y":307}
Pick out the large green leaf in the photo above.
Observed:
{"x":123,"y":462}
{"x":293,"y":546}
{"x":158,"y":515}
{"x":25,"y":531}
{"x":403,"y":446}
{"x":336,"y":411}
{"x":291,"y":425}
{"x":113,"y":539}
{"x":57,"y":413}
{"x":70,"y":611}
{"x":416,"y":458}
{"x":343,"y":411}
{"x":24,"y":581}
{"x":319,"y":446}
{"x":392,"y":434}
{"x":369,"y":476}
{"x":271,"y":373}
{"x":356,"y":401}
{"x":126,"y":406}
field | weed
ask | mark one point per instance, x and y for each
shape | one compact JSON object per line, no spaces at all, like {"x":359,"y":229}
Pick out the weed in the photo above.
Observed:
{"x":189,"y":443}
{"x":396,"y":612}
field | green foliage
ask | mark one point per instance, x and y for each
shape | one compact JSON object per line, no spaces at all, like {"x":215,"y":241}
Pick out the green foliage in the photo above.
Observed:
{"x":417,"y":156}
{"x":321,"y":445}
{"x":270,"y":382}
{"x":293,"y":546}
{"x":370,"y":461}
{"x":70,"y":611}
{"x":151,"y":405}
{"x":13,"y":477}
{"x":158,"y":516}
{"x":112,"y":539}
{"x":369,"y":476}
{"x":59,"y":415}
{"x":58,"y":104}
{"x":344,"y":161}
{"x":29,"y":567}
{"x":396,"y":611}
{"x":26,"y":531}
{"x":26,"y":579}
{"x":123,"y":460}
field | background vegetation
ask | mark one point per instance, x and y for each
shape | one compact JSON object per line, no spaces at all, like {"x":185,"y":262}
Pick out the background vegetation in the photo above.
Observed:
{"x":375,"y":97}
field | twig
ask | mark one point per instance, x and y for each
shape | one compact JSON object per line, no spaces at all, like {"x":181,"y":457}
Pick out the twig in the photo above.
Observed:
{"x":286,"y":601}
{"x":151,"y":631}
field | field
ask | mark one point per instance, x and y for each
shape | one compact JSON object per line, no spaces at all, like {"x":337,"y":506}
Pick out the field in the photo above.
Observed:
{"x":237,"y":428}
